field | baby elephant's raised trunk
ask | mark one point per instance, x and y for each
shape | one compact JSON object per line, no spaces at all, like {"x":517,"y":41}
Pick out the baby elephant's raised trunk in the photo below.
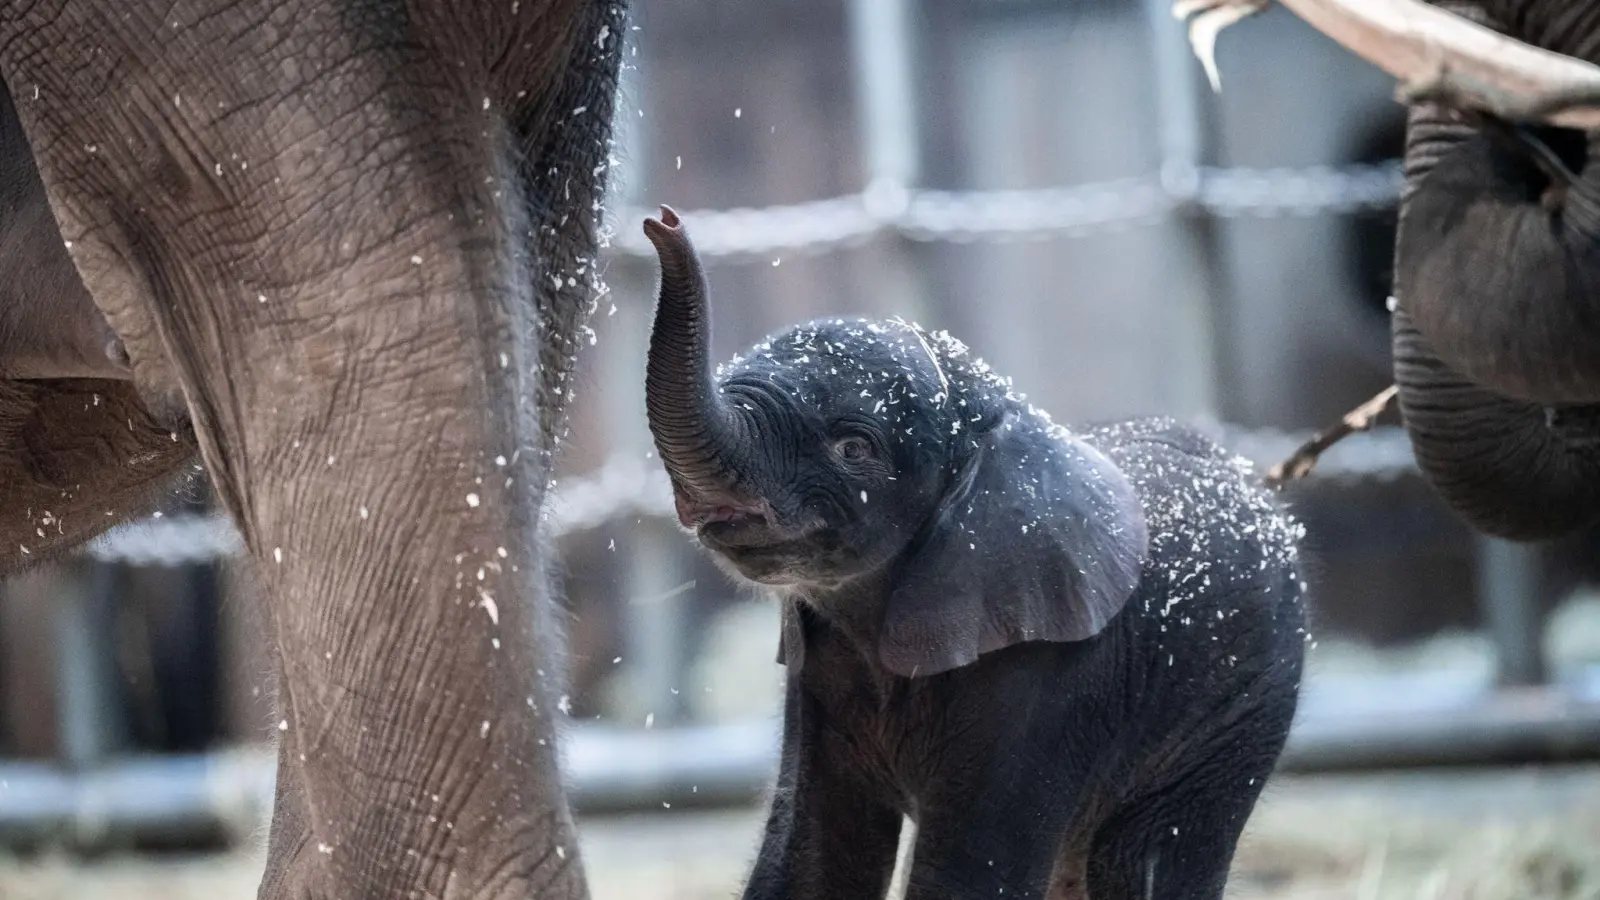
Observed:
{"x":693,"y":429}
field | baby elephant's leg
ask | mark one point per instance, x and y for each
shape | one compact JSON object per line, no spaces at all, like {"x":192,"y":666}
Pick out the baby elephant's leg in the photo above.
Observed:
{"x":994,"y":845}
{"x":830,"y":833}
{"x":1178,"y":844}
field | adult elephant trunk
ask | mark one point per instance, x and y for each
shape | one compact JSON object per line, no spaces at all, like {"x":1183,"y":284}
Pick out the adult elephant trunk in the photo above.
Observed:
{"x":693,"y":427}
{"x":1501,"y":273}
{"x":1513,"y":469}
{"x":1498,"y":255}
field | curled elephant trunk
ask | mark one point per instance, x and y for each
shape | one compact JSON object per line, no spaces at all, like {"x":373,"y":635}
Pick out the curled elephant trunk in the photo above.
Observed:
{"x":1498,"y":255}
{"x":1499,"y":265}
{"x":1512,"y":469}
{"x":693,"y":428}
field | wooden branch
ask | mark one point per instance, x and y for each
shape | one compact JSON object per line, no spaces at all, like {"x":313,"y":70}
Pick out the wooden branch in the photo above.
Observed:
{"x":1214,"y":15}
{"x":1304,"y":458}
{"x":1436,"y":55}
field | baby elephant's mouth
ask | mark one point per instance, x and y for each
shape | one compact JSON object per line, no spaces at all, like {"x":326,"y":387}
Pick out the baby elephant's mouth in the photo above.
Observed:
{"x":697,"y":512}
{"x":744,"y":531}
{"x":736,"y":526}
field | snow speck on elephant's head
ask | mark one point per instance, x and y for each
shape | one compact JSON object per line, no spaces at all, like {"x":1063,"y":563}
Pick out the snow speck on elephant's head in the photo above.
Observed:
{"x":926,"y":383}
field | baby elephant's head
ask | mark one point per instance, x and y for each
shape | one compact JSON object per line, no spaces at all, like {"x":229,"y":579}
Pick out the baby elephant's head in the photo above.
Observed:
{"x":814,"y":457}
{"x":846,"y":448}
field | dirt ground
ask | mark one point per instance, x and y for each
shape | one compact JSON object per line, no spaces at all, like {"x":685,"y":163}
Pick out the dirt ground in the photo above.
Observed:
{"x":1520,"y":834}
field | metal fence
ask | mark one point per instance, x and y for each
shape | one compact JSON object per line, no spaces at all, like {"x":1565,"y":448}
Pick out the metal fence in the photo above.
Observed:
{"x":95,"y":796}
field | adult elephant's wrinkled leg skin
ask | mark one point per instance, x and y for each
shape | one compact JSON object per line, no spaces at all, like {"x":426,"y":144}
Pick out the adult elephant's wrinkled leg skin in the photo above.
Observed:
{"x":356,"y":240}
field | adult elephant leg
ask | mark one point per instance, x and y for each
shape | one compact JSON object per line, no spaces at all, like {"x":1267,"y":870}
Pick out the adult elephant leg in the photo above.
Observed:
{"x":356,"y":241}
{"x":1512,"y":469}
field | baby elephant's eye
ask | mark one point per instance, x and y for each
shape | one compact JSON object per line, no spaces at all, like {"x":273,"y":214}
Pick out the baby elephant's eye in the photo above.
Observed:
{"x":852,"y":449}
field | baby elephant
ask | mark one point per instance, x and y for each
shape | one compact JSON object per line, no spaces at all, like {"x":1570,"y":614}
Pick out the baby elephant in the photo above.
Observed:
{"x":1070,"y":657}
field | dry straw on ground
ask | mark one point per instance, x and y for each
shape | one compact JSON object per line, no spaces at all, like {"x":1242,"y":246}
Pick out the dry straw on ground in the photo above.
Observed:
{"x":1507,"y":835}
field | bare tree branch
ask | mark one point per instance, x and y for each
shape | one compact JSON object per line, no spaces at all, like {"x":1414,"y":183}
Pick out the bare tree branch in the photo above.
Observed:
{"x":1304,"y":458}
{"x":1435,"y":54}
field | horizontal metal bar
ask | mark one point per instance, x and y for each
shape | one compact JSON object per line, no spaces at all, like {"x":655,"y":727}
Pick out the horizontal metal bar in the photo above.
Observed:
{"x":611,"y":767}
{"x":230,"y":792}
{"x":1346,"y":723}
{"x":1498,"y":726}
{"x":171,"y":797}
{"x":823,"y":226}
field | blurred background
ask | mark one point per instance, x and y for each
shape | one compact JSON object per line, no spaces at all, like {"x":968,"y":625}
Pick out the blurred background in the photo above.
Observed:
{"x":1053,"y":182}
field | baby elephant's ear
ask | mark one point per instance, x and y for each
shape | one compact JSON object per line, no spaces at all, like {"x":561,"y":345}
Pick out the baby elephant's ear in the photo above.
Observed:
{"x":1040,"y":538}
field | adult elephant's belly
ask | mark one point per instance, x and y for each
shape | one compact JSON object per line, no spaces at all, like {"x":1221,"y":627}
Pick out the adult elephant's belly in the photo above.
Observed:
{"x":49,"y":327}
{"x":80,"y":451}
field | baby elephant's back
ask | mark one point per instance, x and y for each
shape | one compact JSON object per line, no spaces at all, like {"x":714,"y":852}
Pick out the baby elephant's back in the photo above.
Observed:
{"x":1224,"y":554}
{"x":1218,"y":621}
{"x":1210,"y":519}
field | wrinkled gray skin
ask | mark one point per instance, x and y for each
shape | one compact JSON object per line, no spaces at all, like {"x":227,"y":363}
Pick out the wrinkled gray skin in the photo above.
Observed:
{"x":1497,"y":278}
{"x":328,"y":236}
{"x":49,"y":326}
{"x":1072,"y":660}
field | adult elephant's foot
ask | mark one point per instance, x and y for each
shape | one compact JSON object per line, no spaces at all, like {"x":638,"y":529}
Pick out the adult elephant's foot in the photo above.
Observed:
{"x":478,"y":846}
{"x":299,"y":867}
{"x":308,"y":882}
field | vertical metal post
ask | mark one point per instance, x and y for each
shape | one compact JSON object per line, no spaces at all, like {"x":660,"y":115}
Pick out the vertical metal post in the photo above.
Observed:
{"x":655,"y":632}
{"x":883,"y":47}
{"x":85,"y":675}
{"x":1508,"y":578}
{"x":624,"y":185}
{"x":1196,"y":300}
